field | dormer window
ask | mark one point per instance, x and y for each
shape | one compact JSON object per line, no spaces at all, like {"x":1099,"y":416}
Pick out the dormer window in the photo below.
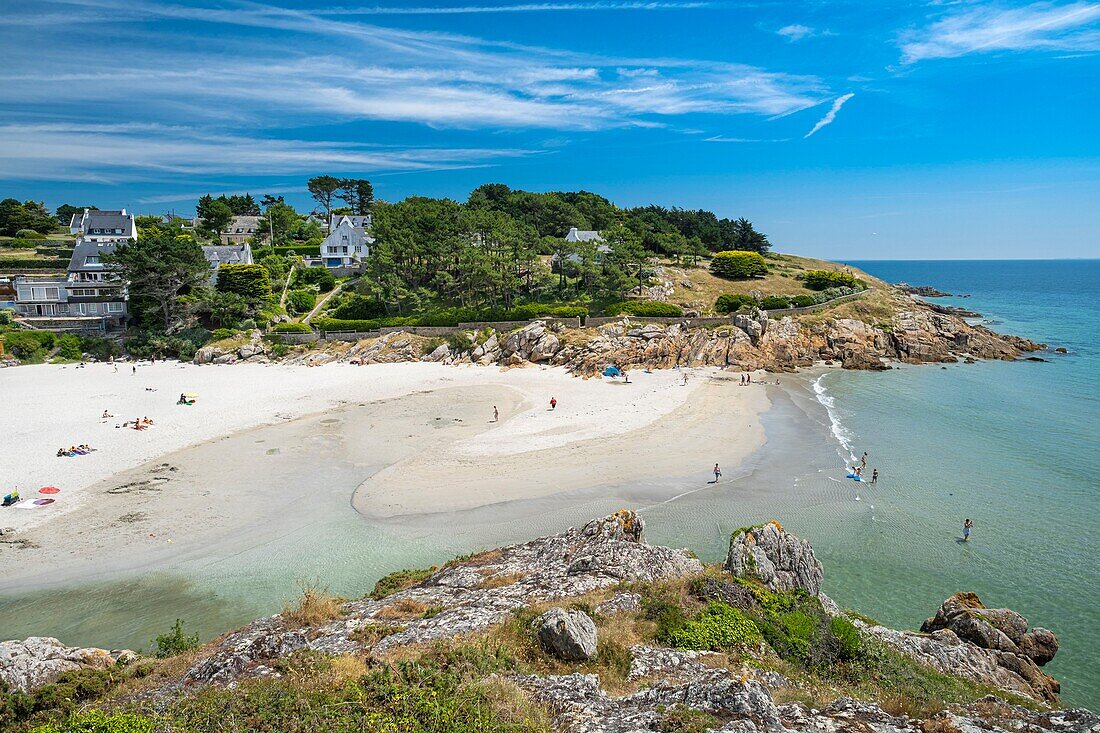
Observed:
{"x":91,"y":260}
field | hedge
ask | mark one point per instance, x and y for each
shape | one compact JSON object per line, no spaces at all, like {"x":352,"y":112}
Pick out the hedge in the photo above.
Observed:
{"x":644,"y":308}
{"x":25,"y":263}
{"x":293,"y":328}
{"x":738,"y":265}
{"x":358,"y":308}
{"x":822,"y":279}
{"x":24,"y":344}
{"x":775,"y":302}
{"x":732,"y":302}
{"x":250,"y":281}
{"x":29,"y":234}
{"x":336,"y":324}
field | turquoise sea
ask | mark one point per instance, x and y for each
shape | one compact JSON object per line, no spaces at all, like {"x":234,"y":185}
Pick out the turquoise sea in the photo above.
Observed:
{"x":1010,"y":445}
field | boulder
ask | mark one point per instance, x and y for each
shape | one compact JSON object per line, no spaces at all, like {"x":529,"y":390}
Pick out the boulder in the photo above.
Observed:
{"x":1040,"y":645}
{"x":38,"y":660}
{"x":568,"y":635}
{"x":775,"y":557}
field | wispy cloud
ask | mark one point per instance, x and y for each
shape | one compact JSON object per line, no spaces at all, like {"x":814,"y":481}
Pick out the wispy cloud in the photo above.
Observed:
{"x":831,"y":114}
{"x":724,"y":139}
{"x":518,"y":8}
{"x":1039,"y":26}
{"x":115,"y":152}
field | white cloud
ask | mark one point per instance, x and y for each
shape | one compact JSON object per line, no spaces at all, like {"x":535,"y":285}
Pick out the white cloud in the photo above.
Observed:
{"x":831,"y":114}
{"x":518,"y":8}
{"x":113,"y":152}
{"x":796,"y":32}
{"x":1039,"y":26}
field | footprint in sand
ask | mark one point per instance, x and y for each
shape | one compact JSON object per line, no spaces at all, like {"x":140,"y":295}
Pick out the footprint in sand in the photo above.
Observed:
{"x":152,"y":484}
{"x":273,"y":451}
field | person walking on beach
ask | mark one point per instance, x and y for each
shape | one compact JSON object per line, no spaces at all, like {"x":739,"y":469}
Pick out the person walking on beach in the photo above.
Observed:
{"x":717,"y":473}
{"x":553,"y":403}
{"x":863,"y":461}
{"x":685,"y":377}
{"x":967,"y":526}
{"x":496,"y":415}
{"x":133,"y":370}
{"x":874,"y":476}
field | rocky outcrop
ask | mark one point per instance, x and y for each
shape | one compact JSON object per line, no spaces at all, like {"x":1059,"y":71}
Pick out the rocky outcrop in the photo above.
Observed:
{"x":254,"y":351}
{"x":568,"y":635}
{"x":464,"y":596}
{"x":991,"y":646}
{"x":916,"y":334}
{"x":775,"y":557}
{"x":29,"y":664}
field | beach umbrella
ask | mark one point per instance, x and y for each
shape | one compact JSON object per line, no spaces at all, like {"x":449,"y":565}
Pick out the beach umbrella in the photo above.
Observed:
{"x":42,"y":502}
{"x":49,"y":490}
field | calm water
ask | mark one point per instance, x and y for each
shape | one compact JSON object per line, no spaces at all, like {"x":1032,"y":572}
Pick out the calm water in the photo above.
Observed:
{"x":1010,"y":445}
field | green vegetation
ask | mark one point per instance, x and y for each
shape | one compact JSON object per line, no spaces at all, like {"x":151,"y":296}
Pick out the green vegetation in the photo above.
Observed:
{"x":251,"y":282}
{"x":26,"y":216}
{"x":822,"y":279}
{"x":175,"y":641}
{"x":29,"y":346}
{"x":735,"y":265}
{"x":644,"y":308}
{"x":733,"y":302}
{"x":316,"y":276}
{"x":718,"y":627}
{"x":688,"y":720}
{"x":300,"y":301}
{"x":400,"y":580}
{"x":98,"y":722}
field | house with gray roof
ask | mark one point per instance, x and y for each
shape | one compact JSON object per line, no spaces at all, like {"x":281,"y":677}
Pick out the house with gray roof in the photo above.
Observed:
{"x":576,"y":236}
{"x":242,"y":229}
{"x":90,"y":297}
{"x":226,"y":254}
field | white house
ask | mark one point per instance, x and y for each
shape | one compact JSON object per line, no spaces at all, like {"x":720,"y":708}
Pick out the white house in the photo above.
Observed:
{"x":348,"y":242}
{"x":103,"y":227}
{"x":574,"y":236}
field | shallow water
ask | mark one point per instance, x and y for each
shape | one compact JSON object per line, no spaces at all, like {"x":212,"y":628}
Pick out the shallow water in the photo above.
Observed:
{"x":1010,"y":445}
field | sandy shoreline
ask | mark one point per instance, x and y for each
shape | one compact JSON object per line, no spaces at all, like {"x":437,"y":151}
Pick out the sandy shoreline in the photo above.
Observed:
{"x":47,"y":407}
{"x":270,"y":451}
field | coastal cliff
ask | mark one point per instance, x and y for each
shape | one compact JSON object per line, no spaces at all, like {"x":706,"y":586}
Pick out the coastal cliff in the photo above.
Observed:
{"x":591,"y":629}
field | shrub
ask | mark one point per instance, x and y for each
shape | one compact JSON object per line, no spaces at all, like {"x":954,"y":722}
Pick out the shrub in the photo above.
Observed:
{"x":6,"y":317}
{"x":400,"y":580}
{"x":68,"y":345}
{"x":358,"y":308}
{"x":11,"y":264}
{"x":28,"y":345}
{"x":803,"y":301}
{"x":175,"y":642}
{"x":645,"y":308}
{"x":459,"y":342}
{"x":29,"y":234}
{"x":336,"y":324}
{"x":718,"y":626}
{"x":738,"y":265}
{"x":319,"y":276}
{"x":99,"y":348}
{"x":303,"y":250}
{"x":251,"y":282}
{"x":220,"y":334}
{"x":775,"y":302}
{"x":293,"y":328}
{"x":822,"y":279}
{"x":96,"y":721}
{"x":300,"y":301}
{"x":431,"y":345}
{"x":732,"y":302}
{"x":315,"y":606}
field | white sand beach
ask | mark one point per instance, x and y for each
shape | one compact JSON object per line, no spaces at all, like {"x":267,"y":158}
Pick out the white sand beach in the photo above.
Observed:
{"x":50,"y":407}
{"x":268,"y":452}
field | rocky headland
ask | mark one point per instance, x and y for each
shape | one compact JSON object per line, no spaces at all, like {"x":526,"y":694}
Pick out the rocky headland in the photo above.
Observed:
{"x":593,"y":629}
{"x":909,"y":331}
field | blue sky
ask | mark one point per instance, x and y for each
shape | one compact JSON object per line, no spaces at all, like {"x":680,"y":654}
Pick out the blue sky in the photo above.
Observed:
{"x":842,"y":129}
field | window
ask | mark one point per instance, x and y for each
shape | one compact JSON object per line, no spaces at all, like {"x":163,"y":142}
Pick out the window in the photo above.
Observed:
{"x":84,"y":292}
{"x":344,"y":237}
{"x":114,"y":307}
{"x":91,"y":260}
{"x":343,"y":250}
{"x":93,"y":309}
